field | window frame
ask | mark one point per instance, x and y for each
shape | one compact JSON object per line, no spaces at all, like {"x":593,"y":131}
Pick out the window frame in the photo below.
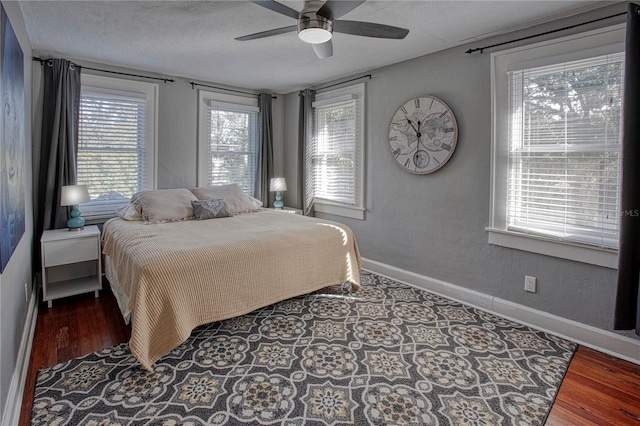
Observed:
{"x":128,"y":88}
{"x":235,"y":103}
{"x":327,"y":98}
{"x":574,"y":47}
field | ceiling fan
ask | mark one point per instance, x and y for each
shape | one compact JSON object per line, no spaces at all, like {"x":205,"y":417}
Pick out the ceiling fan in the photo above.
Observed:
{"x":318,"y":20}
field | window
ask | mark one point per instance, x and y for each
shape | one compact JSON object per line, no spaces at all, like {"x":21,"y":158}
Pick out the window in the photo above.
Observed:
{"x":564,"y":129}
{"x":116,"y":142}
{"x":229,"y":140}
{"x":335,"y":154}
{"x":557,"y":130}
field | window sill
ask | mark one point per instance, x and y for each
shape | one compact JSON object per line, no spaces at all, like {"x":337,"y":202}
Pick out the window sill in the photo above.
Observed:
{"x":607,"y":258}
{"x":339,"y":210}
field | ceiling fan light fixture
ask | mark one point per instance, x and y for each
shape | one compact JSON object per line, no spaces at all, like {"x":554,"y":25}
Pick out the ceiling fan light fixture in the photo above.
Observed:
{"x":316,"y":24}
{"x":314,"y":29}
{"x":314,"y":35}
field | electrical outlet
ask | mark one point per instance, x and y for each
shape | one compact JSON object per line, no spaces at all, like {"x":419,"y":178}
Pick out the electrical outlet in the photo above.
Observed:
{"x":26,"y":293}
{"x":530,"y":284}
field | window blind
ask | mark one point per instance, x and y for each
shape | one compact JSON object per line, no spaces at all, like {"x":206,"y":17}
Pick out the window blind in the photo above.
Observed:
{"x":564,"y":156}
{"x":112,"y":149}
{"x":233,"y":145}
{"x":334,"y":153}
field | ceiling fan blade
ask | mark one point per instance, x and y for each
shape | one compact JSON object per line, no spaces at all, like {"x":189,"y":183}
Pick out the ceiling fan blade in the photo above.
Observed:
{"x":277,"y":7}
{"x":369,"y":29}
{"x":333,"y":9}
{"x":323,"y":50}
{"x":268,"y":33}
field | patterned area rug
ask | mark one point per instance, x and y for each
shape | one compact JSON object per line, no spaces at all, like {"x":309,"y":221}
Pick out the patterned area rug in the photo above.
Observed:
{"x":388,"y":354}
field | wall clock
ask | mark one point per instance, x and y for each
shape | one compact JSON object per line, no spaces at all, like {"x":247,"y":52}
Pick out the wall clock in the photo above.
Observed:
{"x":422,"y":134}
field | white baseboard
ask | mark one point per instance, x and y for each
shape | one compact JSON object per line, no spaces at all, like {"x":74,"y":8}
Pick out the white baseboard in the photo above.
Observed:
{"x":16,"y":390}
{"x":602,"y":340}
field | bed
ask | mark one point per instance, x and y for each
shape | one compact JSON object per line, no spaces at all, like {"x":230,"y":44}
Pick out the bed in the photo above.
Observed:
{"x":177,"y":275}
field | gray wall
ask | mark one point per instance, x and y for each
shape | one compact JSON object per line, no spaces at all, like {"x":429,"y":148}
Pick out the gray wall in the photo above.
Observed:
{"x":177,"y":124}
{"x":291,"y":105}
{"x":434,"y":225}
{"x":13,"y":307}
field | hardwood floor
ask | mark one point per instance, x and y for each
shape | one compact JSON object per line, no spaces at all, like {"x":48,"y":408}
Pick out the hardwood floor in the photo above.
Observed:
{"x":75,"y":326}
{"x":598,"y":389}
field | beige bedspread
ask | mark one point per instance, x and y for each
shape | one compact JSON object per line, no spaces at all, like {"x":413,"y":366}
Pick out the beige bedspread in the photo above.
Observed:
{"x":184,"y":274}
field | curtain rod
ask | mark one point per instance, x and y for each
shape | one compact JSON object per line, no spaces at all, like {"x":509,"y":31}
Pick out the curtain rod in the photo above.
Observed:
{"x":194,"y":84}
{"x":481,"y":49}
{"x":42,"y":61}
{"x":346,"y":81}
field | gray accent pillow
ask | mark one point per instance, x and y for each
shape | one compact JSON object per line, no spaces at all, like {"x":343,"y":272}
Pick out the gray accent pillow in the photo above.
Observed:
{"x":210,"y":209}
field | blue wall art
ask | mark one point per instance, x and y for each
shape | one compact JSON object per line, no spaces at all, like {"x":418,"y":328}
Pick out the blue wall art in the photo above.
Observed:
{"x":12,"y":142}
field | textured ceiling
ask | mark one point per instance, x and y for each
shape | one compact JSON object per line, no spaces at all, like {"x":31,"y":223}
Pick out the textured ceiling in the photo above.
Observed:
{"x":196,"y":39}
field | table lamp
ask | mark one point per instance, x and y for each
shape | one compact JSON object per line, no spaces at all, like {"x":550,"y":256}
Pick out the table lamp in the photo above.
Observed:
{"x":72,"y":195}
{"x":278,"y":185}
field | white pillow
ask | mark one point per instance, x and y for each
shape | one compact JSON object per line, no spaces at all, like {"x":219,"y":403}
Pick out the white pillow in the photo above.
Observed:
{"x":257,"y":202}
{"x":128,"y":212}
{"x":164,"y":205}
{"x":237,"y":201}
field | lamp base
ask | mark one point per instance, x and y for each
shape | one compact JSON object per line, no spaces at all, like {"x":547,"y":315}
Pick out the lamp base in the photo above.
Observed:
{"x":75,"y":222}
{"x":278,"y":203}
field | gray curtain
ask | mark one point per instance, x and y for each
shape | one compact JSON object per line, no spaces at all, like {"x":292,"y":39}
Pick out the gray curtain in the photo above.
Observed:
{"x":627,"y":312}
{"x":305,"y":133}
{"x":265,"y":158}
{"x":58,"y":144}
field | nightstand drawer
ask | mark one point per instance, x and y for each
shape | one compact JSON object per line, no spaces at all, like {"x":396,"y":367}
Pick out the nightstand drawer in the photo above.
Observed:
{"x":70,"y":251}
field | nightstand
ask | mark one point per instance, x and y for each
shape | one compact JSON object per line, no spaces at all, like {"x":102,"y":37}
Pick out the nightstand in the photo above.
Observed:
{"x":71,"y":263}
{"x":288,"y":210}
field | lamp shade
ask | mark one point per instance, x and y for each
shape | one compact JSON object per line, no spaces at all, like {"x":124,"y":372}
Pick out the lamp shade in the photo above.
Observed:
{"x":278,"y":184}
{"x":74,"y":194}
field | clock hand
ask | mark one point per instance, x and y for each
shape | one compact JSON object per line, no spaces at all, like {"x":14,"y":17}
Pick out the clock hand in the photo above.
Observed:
{"x":414,"y":127}
{"x":419,"y":135}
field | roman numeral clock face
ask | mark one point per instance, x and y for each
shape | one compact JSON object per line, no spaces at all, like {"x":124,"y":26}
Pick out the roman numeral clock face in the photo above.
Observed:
{"x":422,"y":134}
